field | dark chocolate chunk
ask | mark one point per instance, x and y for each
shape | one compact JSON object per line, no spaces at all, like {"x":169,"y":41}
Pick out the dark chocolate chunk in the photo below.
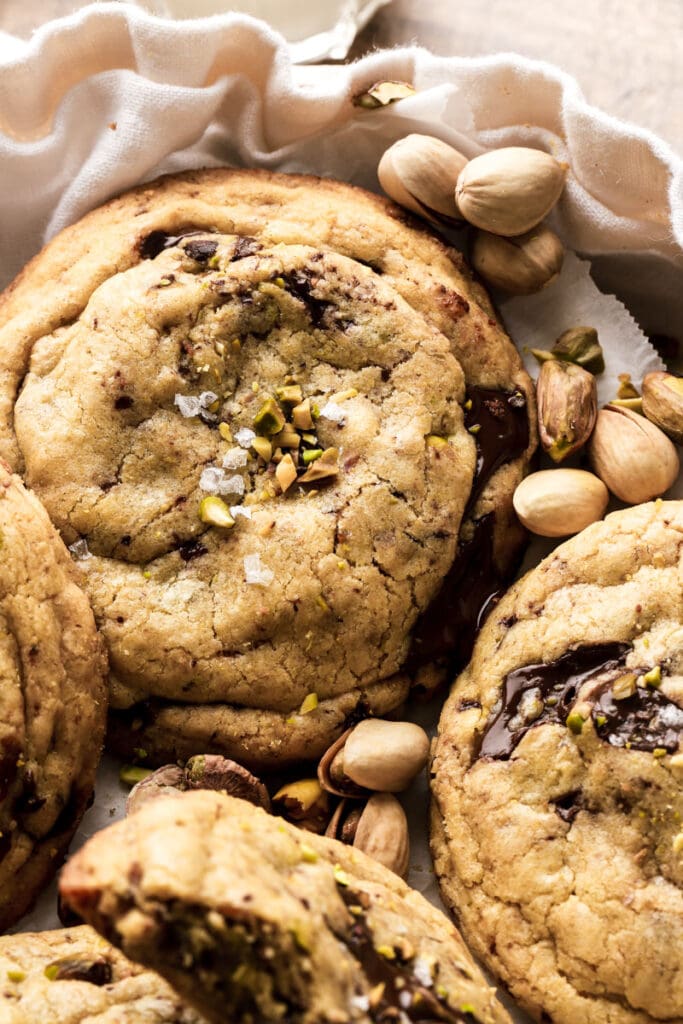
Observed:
{"x":647,"y":720}
{"x":301,"y":284}
{"x":94,"y":971}
{"x":201,"y":249}
{"x":245,"y":246}
{"x":556,"y":684}
{"x":156,"y":241}
{"x":569,"y":804}
{"x":503,"y":434}
{"x":191,"y":548}
{"x":395,"y":975}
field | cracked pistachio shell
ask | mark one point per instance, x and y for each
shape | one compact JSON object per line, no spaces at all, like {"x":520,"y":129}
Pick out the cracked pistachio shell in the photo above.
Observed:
{"x":663,"y":402}
{"x":509,"y":191}
{"x":420,"y":173}
{"x":520,"y":265}
{"x":567,"y":400}
{"x":385,"y":756}
{"x":560,"y":502}
{"x":631,"y":455}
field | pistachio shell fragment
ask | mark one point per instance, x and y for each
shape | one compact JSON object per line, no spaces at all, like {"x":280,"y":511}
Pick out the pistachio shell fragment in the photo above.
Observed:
{"x":305,"y":803}
{"x":381,"y":94}
{"x":663,"y":403}
{"x":285,"y":472}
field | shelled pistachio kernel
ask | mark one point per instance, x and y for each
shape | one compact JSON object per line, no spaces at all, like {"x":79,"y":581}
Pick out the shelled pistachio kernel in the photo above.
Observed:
{"x":567,"y":400}
{"x":269,"y":419}
{"x":263,"y":448}
{"x":303,"y":802}
{"x":310,"y":455}
{"x":215,"y":512}
{"x":578,"y":345}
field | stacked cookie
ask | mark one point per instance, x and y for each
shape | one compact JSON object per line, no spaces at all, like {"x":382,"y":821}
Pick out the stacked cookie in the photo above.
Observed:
{"x":285,"y":427}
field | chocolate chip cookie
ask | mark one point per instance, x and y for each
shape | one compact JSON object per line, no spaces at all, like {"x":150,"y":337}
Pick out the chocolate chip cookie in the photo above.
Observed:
{"x":53,"y":705}
{"x":178,"y":270}
{"x":73,"y":976}
{"x":558,"y":779}
{"x":310,"y":930}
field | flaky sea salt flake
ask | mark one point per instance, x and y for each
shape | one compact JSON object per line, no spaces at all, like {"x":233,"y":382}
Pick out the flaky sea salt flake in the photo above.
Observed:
{"x":188,"y":405}
{"x":255,"y":573}
{"x":235,"y":458}
{"x":244,"y":436}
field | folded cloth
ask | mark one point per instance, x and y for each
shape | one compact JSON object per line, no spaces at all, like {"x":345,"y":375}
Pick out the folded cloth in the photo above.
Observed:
{"x":111,"y":96}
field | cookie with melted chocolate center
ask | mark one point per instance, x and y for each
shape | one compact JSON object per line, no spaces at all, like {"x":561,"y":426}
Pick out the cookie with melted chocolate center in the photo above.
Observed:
{"x":558,"y":779}
{"x":73,"y":976}
{"x":52,"y":698}
{"x":308,"y":931}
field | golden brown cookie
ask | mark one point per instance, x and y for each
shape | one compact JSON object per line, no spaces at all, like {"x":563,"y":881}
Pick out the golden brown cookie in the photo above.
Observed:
{"x":310,"y":930}
{"x":558,"y":779}
{"x":52,"y":703}
{"x":73,"y":976}
{"x":189,"y":303}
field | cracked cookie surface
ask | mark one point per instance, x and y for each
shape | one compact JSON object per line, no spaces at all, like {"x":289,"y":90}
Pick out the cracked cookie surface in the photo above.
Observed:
{"x":73,"y":976}
{"x":266,"y":209}
{"x":153,"y":399}
{"x":53,"y":700}
{"x":308,"y":931}
{"x":558,"y":779}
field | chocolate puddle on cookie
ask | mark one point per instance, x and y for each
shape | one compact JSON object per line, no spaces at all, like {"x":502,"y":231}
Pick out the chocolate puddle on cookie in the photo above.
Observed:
{"x":538,"y":694}
{"x":544,"y":693}
{"x":401,"y":993}
{"x":447,"y":629}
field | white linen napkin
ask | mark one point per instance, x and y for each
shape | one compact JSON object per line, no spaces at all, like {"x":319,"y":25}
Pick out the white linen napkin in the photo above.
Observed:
{"x":98,"y":101}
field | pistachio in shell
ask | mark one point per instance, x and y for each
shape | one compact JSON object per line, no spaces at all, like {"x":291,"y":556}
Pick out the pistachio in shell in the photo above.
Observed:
{"x":203,"y":771}
{"x":663,"y":403}
{"x":509,"y":191}
{"x":420,"y":173}
{"x":631,"y":455}
{"x":377,"y":826}
{"x":521,"y":264}
{"x":376,"y":755}
{"x":567,"y":408}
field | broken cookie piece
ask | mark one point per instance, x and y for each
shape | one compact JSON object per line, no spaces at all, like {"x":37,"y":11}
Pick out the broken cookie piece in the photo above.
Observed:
{"x":308,"y":931}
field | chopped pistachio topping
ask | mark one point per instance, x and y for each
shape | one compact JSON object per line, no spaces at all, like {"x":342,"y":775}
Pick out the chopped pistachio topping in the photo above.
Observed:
{"x":624,"y":686}
{"x":322,"y":603}
{"x":225,"y":431}
{"x":289,"y":394}
{"x":15,"y":975}
{"x":308,"y":854}
{"x":309,"y":703}
{"x":340,"y":876}
{"x":51,"y":972}
{"x":325,"y":466}
{"x":382,"y":93}
{"x":435,"y":441}
{"x":131,"y":774}
{"x":301,"y":415}
{"x":677,"y":843}
{"x":310,"y":455}
{"x":388,"y":952}
{"x":270,"y":418}
{"x":626,"y":387}
{"x":575,"y":722}
{"x":214,"y":511}
{"x":287,"y":438}
{"x":653,"y":677}
{"x":659,"y":752}
{"x":263,"y":448}
{"x":343,"y":396}
{"x":285,"y":472}
{"x":475,"y":428}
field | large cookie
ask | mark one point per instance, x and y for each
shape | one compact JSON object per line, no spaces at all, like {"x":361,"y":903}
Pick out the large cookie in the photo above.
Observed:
{"x":129,"y":288}
{"x":73,"y":976}
{"x":52,"y":699}
{"x":308,"y":931}
{"x":558,"y":779}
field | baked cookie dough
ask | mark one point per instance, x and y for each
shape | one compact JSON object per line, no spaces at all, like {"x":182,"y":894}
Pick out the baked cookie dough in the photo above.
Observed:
{"x":558,"y":779}
{"x":198,"y":284}
{"x":310,"y":930}
{"x":72,"y":976}
{"x":52,"y":699}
